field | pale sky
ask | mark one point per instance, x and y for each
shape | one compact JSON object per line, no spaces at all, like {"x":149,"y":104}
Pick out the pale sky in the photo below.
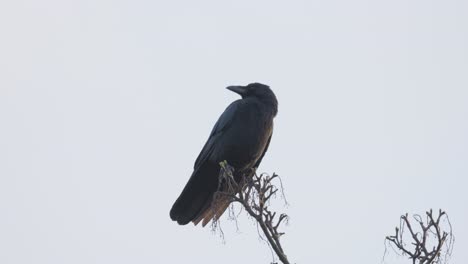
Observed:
{"x":105,"y":105}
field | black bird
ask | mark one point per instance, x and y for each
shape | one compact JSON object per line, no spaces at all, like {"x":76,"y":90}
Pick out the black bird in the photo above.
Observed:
{"x":241,"y":137}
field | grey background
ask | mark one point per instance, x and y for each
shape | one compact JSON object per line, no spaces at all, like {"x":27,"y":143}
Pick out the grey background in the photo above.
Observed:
{"x":104,"y":106}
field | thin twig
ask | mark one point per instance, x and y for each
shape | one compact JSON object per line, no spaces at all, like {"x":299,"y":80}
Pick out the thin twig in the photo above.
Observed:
{"x":254,"y":192}
{"x":430,"y":230}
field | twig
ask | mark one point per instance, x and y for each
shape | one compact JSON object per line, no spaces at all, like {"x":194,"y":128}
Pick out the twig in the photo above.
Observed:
{"x":254,"y":192}
{"x":425,"y":233}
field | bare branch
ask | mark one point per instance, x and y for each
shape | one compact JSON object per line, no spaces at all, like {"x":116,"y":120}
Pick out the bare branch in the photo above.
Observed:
{"x":427,"y":238}
{"x":254,"y":192}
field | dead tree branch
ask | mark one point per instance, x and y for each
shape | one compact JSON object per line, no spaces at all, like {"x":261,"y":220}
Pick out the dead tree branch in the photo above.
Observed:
{"x":254,"y":192}
{"x":429,"y":241}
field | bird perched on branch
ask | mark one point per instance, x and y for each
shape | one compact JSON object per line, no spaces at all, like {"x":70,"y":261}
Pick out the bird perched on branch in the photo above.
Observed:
{"x":241,"y":137}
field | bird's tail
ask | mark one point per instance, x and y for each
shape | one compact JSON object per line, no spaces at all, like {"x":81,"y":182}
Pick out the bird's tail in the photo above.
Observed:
{"x":214,"y":211}
{"x":197,"y":194}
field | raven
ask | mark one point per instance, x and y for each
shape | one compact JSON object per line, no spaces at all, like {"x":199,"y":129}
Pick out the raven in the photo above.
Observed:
{"x":241,"y":136}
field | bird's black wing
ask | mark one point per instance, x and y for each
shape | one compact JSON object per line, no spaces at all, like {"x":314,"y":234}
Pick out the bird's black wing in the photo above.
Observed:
{"x":204,"y":180}
{"x":223,"y":123}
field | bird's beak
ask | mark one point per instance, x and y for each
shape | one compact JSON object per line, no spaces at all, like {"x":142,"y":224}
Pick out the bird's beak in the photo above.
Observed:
{"x":241,"y":90}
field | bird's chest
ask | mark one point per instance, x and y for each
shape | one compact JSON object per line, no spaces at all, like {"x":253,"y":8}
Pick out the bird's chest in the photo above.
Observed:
{"x":249,"y":141}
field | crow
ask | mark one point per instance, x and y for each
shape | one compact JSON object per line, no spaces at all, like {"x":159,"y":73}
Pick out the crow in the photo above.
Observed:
{"x":241,"y":137}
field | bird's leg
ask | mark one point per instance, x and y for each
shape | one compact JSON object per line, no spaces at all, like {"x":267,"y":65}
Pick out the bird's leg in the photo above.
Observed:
{"x":227,"y":176}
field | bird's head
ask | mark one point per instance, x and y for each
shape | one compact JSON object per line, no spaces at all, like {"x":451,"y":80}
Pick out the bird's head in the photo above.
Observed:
{"x":259,"y":91}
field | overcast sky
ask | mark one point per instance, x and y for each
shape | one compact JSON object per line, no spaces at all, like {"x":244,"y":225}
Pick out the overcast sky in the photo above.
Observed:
{"x":105,"y":105}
